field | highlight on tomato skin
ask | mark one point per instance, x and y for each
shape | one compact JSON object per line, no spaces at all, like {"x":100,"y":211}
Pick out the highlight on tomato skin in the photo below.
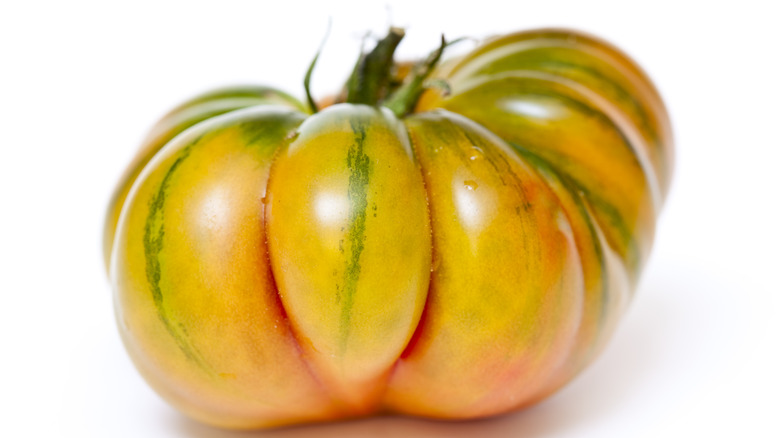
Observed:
{"x":449,"y":240}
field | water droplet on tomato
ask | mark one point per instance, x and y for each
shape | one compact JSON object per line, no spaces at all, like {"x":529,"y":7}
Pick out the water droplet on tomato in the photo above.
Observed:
{"x":470,"y":184}
{"x":476,"y":153}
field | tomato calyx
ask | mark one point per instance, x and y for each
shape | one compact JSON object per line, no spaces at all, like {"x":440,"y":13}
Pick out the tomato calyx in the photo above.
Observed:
{"x":403,"y":99}
{"x":370,"y":79}
{"x":313,"y":107}
{"x":377,"y":79}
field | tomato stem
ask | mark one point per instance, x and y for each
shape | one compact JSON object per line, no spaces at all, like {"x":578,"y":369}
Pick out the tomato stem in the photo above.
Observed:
{"x":370,"y":79}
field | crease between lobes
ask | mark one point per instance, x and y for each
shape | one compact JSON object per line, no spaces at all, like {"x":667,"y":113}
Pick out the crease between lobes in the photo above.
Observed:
{"x":204,"y":283}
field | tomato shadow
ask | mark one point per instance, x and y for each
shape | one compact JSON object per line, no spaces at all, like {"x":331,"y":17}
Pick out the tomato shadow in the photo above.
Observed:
{"x":620,"y":377}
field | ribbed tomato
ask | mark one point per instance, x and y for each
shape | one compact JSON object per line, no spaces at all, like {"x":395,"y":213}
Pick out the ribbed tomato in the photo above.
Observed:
{"x":453,"y":253}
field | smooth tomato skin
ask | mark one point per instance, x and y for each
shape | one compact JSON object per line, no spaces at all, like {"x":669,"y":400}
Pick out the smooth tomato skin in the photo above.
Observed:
{"x":273,"y":267}
{"x":189,"y":113}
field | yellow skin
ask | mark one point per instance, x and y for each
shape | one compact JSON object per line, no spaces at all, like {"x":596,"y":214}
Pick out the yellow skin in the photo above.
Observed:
{"x":272,"y":267}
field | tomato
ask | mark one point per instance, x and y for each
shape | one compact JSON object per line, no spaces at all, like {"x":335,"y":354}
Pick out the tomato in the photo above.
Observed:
{"x":455,"y":251}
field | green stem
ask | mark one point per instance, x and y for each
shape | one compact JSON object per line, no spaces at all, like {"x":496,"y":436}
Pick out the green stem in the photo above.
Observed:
{"x":371,"y":76}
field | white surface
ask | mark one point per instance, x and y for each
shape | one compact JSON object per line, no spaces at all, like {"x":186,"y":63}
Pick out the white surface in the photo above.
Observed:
{"x":80,"y":82}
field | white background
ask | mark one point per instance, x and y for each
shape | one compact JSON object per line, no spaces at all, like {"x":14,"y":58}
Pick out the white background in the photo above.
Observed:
{"x":80,"y":82}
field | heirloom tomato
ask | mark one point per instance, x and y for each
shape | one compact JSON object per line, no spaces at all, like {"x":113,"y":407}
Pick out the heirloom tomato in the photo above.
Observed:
{"x":450,"y":241}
